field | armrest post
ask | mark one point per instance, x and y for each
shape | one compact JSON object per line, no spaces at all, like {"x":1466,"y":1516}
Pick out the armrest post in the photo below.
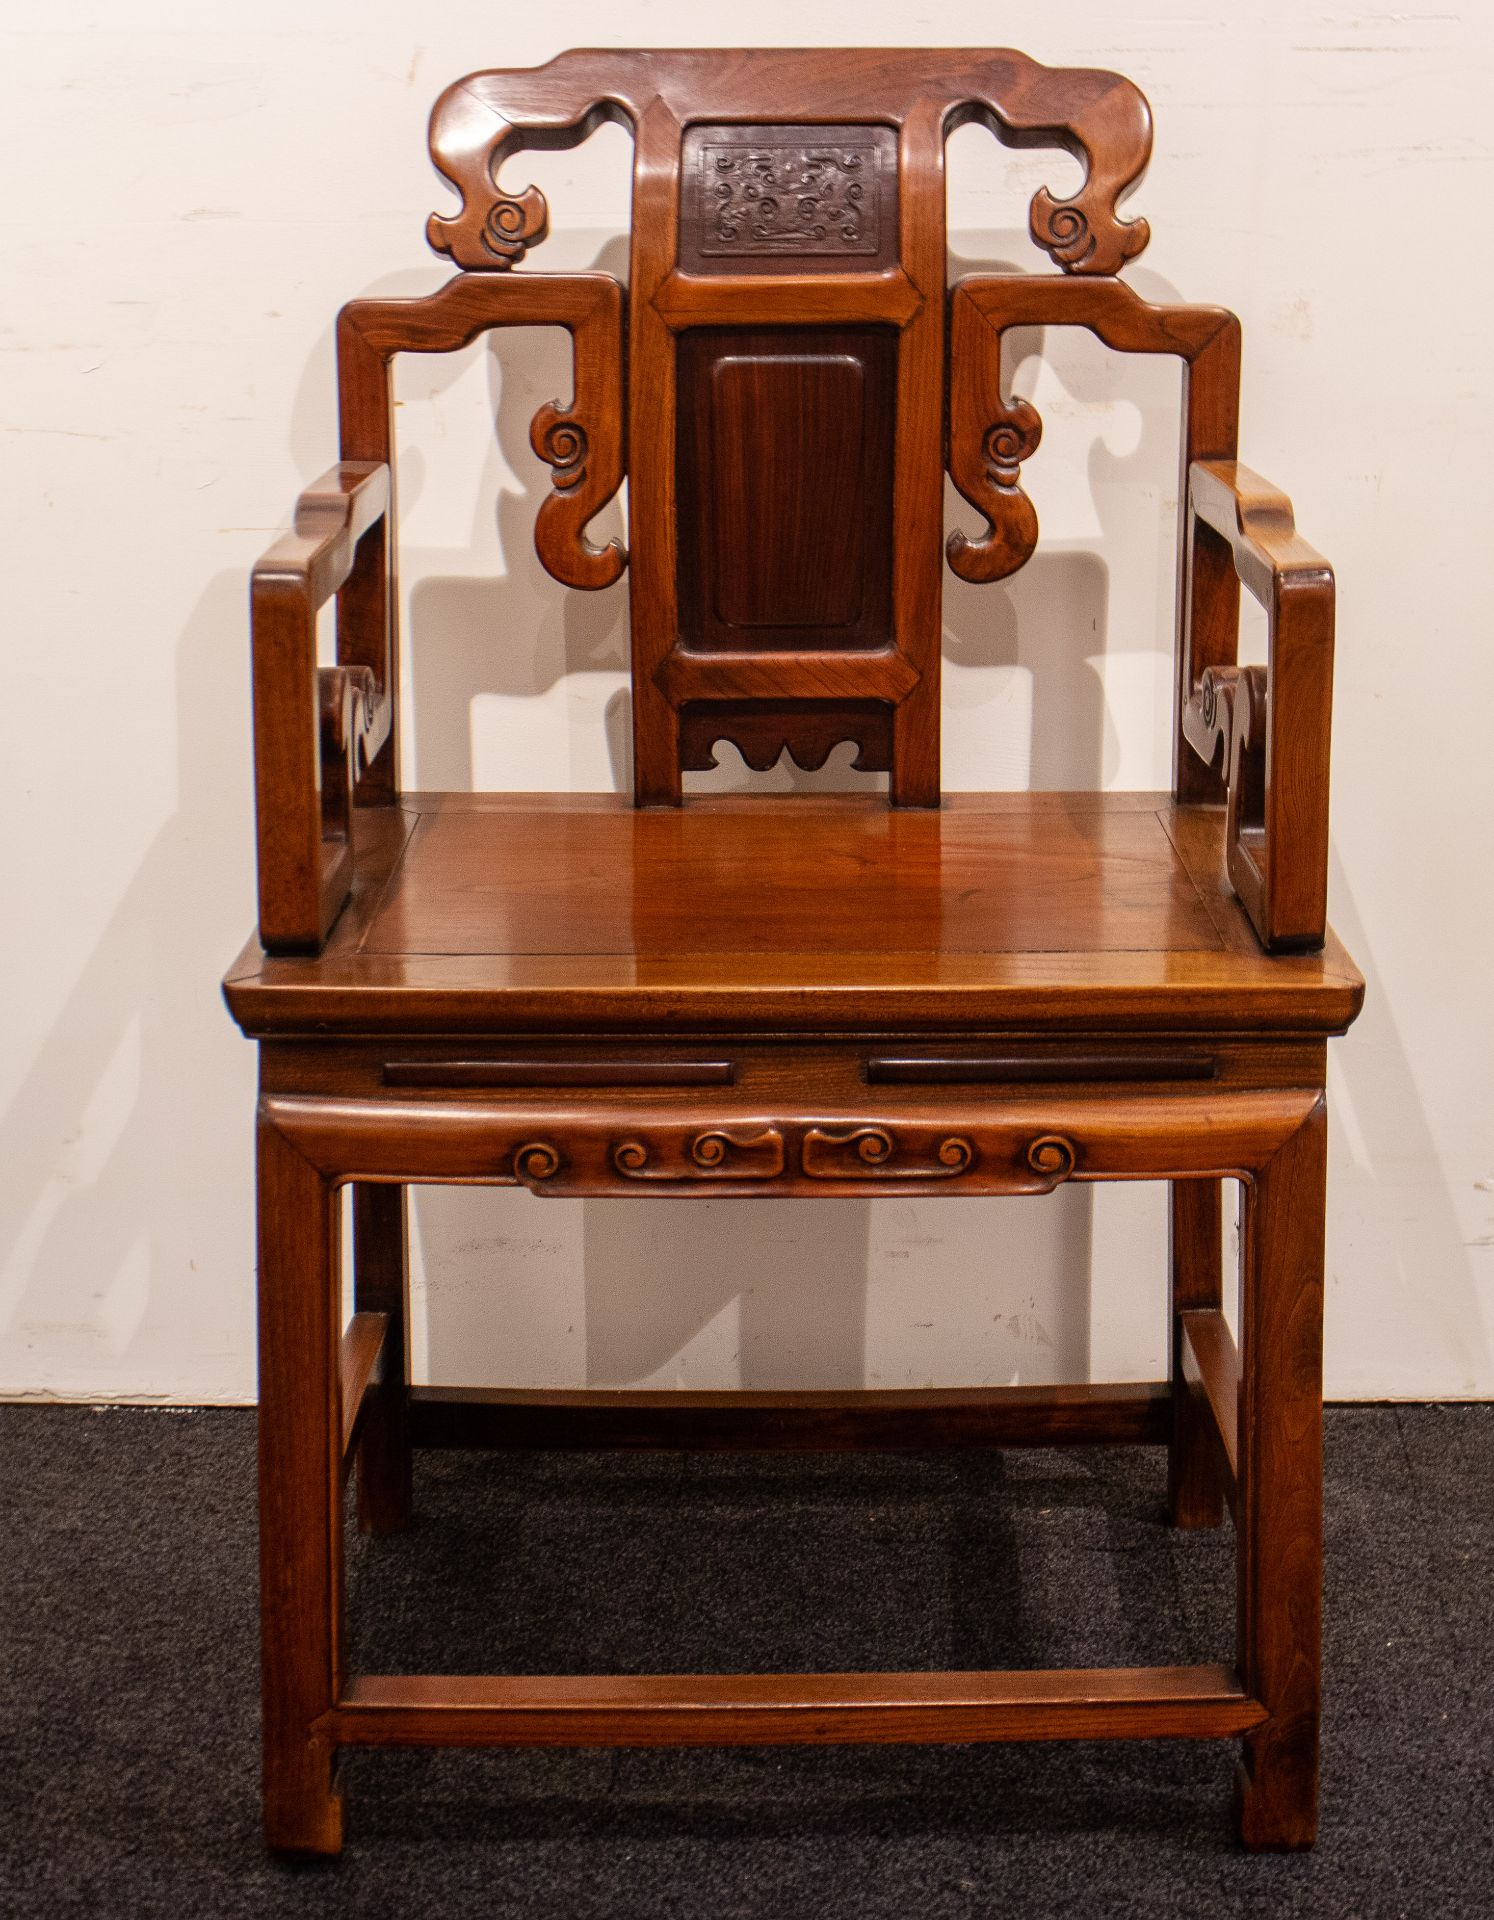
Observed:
{"x":315,"y":730}
{"x":1273,"y":729}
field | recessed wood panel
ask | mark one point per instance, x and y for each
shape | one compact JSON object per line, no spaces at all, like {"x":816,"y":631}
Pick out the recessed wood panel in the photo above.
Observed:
{"x":773,"y":563}
{"x":785,"y":488}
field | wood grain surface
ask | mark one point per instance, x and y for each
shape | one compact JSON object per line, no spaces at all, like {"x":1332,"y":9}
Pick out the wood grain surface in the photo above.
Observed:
{"x":834,"y":997}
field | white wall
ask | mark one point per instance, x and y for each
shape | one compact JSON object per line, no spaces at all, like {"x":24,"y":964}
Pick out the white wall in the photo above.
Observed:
{"x":186,"y":205}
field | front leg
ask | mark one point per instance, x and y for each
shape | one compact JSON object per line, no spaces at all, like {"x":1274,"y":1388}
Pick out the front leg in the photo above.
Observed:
{"x":1280,"y":1499}
{"x":300,"y":1493}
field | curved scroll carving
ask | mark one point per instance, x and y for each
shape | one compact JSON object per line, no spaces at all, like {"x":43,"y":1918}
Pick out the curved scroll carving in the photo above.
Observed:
{"x":1225,"y":720}
{"x":535,"y":1162}
{"x":1100,"y":118}
{"x":581,"y":487}
{"x":763,"y":731}
{"x":1066,"y":230}
{"x":1247,"y":753}
{"x":353,"y":723}
{"x":762,"y":751}
{"x":989,"y":438}
{"x":559,"y":439}
{"x":495,"y":235}
{"x":469,"y":141}
{"x":717,"y":1153}
{"x":493,"y":230}
{"x":1245,"y":850}
{"x":875,"y":1153}
{"x":985,"y":467}
{"x":1209,"y":715}
{"x":1052,"y":1156}
{"x":1025,"y":1147}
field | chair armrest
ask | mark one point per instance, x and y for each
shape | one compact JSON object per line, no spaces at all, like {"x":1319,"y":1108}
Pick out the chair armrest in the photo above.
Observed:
{"x":331,"y":517}
{"x":1273,"y":725}
{"x":1257,"y":521}
{"x":315,"y":729}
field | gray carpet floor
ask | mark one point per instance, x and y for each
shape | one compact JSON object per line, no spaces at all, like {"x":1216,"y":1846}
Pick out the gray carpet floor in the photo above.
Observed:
{"x":128,"y":1711}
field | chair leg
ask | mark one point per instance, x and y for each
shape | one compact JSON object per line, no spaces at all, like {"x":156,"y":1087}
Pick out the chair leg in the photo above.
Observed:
{"x":1195,"y":1496}
{"x":380,"y":1286}
{"x":1280,"y":1496}
{"x":300,"y":1493}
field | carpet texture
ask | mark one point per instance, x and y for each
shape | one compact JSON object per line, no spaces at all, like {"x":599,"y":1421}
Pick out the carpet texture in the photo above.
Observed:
{"x":129,"y":1714}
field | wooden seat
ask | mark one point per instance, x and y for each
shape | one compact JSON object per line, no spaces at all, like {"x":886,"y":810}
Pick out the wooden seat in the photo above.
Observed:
{"x":478,"y":912}
{"x":667,"y":995}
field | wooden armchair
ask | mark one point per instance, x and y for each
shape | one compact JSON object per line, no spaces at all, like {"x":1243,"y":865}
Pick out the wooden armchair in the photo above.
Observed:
{"x":808,"y":995}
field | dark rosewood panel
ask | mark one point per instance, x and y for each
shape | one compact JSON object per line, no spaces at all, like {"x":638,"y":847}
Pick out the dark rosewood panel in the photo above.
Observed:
{"x":788,"y":199}
{"x":785,"y":488}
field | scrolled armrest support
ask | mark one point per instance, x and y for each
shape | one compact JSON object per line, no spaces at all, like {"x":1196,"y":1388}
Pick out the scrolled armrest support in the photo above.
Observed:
{"x":1271,"y":725}
{"x":316,"y":730}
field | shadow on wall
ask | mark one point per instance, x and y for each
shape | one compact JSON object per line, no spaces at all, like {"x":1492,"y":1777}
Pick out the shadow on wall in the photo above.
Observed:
{"x":1399,"y":1244}
{"x":506,"y":656}
{"x":108,"y":1287}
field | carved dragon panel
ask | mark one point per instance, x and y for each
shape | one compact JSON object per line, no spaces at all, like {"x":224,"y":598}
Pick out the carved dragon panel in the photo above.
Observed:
{"x":760,"y":197}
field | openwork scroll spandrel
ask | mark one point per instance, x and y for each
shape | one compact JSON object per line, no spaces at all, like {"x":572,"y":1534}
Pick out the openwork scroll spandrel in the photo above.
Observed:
{"x":583,"y":442}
